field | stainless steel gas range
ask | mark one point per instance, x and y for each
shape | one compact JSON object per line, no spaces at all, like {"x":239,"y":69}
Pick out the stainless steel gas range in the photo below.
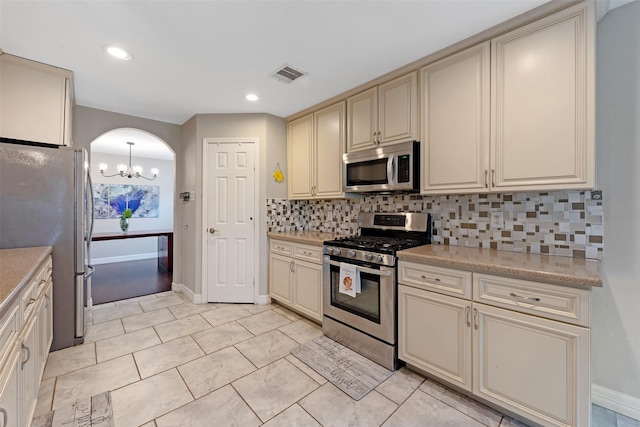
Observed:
{"x":360,"y":282}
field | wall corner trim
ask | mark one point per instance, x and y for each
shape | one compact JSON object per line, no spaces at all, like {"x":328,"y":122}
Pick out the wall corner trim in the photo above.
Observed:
{"x":263,"y":299}
{"x":616,"y":401}
{"x":191,"y":296}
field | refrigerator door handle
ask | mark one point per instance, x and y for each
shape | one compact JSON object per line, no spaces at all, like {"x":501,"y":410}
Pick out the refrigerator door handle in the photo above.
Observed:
{"x":92,"y":204}
{"x":89,"y":271}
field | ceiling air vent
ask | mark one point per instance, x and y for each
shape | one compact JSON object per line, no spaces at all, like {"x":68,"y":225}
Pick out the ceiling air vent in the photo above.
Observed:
{"x":287,"y":74}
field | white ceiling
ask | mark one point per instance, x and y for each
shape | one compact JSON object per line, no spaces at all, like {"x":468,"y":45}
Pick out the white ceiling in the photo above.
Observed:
{"x":197,"y":57}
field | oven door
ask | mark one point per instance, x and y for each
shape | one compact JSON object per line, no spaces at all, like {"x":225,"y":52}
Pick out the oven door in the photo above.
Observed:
{"x":372,"y":311}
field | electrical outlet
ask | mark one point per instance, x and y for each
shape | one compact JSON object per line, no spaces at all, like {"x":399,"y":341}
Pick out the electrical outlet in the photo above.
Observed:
{"x":497,"y":219}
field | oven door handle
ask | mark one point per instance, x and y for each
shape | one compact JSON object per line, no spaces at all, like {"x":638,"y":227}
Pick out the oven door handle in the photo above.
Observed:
{"x":362,"y":269}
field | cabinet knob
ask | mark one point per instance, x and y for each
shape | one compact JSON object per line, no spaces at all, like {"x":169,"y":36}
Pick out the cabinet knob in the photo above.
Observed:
{"x":212,"y":230}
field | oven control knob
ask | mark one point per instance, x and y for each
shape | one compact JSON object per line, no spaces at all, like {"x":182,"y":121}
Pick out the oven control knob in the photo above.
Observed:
{"x":351,"y":254}
{"x":368,"y":257}
{"x":378,"y":258}
{"x":336,"y":251}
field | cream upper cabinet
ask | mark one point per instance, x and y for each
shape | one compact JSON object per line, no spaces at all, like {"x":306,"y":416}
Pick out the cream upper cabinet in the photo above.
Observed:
{"x":315,"y":146}
{"x":329,"y":137}
{"x":299,"y":157}
{"x":35,"y":101}
{"x":384,"y":114}
{"x":362,"y":116}
{"x":542,"y":104}
{"x":517,"y":115}
{"x":455,"y":122}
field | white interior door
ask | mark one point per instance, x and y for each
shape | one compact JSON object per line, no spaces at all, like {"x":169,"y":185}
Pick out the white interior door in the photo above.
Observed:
{"x":230,"y":222}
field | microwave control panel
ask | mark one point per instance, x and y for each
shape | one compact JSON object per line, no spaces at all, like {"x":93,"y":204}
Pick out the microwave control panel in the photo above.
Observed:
{"x":404,"y":167}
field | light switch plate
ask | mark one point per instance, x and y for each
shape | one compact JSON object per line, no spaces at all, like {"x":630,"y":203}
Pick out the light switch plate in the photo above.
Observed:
{"x":497,"y":219}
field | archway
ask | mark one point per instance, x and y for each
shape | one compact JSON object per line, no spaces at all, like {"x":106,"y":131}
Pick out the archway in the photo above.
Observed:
{"x":126,"y":261}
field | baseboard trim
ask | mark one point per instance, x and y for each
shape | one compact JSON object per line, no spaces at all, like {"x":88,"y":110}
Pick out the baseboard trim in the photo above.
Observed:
{"x":263,"y":299}
{"x":191,"y":296}
{"x":616,"y":401}
{"x":123,"y":258}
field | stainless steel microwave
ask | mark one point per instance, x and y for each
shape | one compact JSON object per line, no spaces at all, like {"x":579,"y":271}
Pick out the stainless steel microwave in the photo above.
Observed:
{"x":383,"y":169}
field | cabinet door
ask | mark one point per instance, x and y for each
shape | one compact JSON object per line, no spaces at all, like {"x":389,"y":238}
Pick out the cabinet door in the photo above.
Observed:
{"x":434,"y":334}
{"x":329,"y":146}
{"x":280,"y":274}
{"x":10,"y":390}
{"x":532,"y":366}
{"x":456,"y":123}
{"x":543,"y":103}
{"x":300,"y":157}
{"x":398,"y":110}
{"x":362,"y":120}
{"x":45,"y":328}
{"x":307,"y":289}
{"x":29,"y":369}
{"x":30,"y":93}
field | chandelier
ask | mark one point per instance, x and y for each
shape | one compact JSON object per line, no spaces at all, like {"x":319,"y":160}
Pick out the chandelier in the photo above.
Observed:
{"x":128,"y":171}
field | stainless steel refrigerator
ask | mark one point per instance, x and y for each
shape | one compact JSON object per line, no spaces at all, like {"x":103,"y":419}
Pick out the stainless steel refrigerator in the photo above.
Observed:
{"x":46,"y":200}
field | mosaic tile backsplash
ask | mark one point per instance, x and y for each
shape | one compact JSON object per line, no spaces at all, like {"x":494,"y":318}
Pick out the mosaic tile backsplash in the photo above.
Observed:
{"x":566,"y":223}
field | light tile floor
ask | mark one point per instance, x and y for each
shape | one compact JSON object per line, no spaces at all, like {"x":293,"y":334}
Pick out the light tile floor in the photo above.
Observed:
{"x":168,"y":362}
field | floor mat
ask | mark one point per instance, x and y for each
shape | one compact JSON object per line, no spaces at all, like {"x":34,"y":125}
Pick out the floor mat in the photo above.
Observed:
{"x":350,"y":372}
{"x":92,"y":411}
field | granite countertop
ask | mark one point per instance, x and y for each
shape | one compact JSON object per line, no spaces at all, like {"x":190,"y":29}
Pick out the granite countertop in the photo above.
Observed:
{"x":307,"y":237}
{"x":16,"y":268}
{"x":566,"y":271}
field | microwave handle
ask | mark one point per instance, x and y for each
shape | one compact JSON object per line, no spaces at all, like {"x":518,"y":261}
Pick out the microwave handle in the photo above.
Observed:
{"x":390,"y":169}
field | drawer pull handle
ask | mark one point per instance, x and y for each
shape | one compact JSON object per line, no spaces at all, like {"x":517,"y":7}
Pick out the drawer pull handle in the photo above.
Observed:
{"x":31,"y":301}
{"x":425,"y":278}
{"x":43,"y":281}
{"x":24,"y":347}
{"x":5,"y":417}
{"x":467,"y":311}
{"x":48,"y":298}
{"x":535,"y":299}
{"x":475,"y":318}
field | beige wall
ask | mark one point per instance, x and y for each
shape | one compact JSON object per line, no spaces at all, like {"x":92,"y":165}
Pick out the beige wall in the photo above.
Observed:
{"x":271,"y":134}
{"x":616,"y":320}
{"x":90,"y":123}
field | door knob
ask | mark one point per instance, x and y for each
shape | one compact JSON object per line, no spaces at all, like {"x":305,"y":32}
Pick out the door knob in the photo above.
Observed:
{"x":212,"y":230}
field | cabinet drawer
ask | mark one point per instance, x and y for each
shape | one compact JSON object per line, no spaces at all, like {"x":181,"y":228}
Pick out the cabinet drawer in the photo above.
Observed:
{"x":541,"y":299}
{"x":438,"y":279}
{"x":309,"y":253}
{"x":8,"y":329}
{"x":28,"y":298}
{"x":281,"y":247}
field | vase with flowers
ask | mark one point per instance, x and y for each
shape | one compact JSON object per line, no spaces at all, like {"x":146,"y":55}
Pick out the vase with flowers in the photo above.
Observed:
{"x":124,"y":219}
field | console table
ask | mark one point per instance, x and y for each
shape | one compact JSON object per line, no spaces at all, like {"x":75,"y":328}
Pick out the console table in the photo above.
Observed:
{"x":165,"y":244}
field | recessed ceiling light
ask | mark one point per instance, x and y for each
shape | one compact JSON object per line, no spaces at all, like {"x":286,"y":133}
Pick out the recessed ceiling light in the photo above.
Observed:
{"x":252,"y":97}
{"x":117,"y":52}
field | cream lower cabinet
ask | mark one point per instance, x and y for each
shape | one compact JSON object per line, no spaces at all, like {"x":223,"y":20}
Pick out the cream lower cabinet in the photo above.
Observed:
{"x":26,"y":333}
{"x":295,"y":277}
{"x":534,"y":367}
{"x":433,"y":334}
{"x":10,"y":388}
